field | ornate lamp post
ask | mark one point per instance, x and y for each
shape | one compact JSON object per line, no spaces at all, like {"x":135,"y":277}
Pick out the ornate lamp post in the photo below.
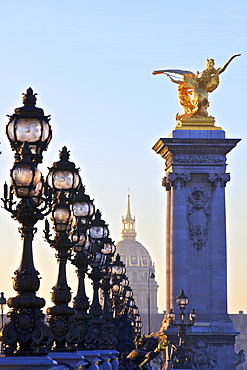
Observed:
{"x":83,"y":210}
{"x":108,"y":250}
{"x":64,"y":180}
{"x":128,"y":300}
{"x":150,"y":276}
{"x":137,"y":325}
{"x":98,"y":231}
{"x":182,"y":324}
{"x":181,"y":356}
{"x":118,"y":276}
{"x":2,"y":303}
{"x":123,"y":317}
{"x":116,"y":296}
{"x":26,"y":334}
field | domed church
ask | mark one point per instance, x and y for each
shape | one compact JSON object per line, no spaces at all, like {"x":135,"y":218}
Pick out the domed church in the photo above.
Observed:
{"x":139,"y":269}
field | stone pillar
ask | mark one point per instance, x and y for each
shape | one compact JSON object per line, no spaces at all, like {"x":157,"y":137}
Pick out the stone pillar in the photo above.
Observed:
{"x":195,"y":181}
{"x":168,"y":233}
{"x":218,"y":242}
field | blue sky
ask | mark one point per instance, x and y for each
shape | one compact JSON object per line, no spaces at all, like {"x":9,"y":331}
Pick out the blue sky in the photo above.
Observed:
{"x":91,"y":64}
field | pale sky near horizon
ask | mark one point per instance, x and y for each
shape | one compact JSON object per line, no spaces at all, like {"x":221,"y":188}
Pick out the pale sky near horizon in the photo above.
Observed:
{"x":91,"y":64}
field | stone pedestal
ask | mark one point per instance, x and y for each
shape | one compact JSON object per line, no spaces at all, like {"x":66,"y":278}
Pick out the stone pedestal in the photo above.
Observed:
{"x":72,"y":359}
{"x":106,"y":359}
{"x":93,"y":359}
{"x":28,"y":363}
{"x":196,"y":232}
{"x":101,"y":359}
{"x":202,"y":123}
{"x":114,"y":359}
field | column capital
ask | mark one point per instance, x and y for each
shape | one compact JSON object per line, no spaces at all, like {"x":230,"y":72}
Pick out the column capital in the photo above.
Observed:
{"x":172,"y":180}
{"x":217,"y":179}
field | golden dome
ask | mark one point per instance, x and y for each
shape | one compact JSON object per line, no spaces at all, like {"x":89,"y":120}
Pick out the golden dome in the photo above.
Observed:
{"x":133,"y":253}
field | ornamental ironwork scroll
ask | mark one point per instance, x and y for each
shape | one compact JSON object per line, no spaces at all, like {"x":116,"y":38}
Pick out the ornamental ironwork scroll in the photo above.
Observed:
{"x":198,"y":217}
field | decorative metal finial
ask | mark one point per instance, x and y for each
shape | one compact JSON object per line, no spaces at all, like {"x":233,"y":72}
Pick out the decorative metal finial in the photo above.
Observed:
{"x":64,"y":154}
{"x":97,"y":215}
{"x":29,"y":97}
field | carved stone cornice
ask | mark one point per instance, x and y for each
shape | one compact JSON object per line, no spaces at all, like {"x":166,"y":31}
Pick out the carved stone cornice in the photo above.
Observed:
{"x":201,"y":146}
{"x":217,"y":179}
{"x":191,"y":151}
{"x":173,"y":178}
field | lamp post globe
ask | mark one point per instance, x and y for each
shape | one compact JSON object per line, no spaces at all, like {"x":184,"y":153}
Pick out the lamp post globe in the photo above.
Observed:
{"x":117,"y":288}
{"x":83,"y":207}
{"x":98,"y":229}
{"x":63,"y":175}
{"x":26,"y":179}
{"x":135,"y":310}
{"x":61,"y":214}
{"x":131,"y":302}
{"x":29,"y":124}
{"x":182,"y":300}
{"x":125,"y":281}
{"x":118,"y":267}
{"x":128,"y":292}
{"x":192,"y":316}
{"x":171,"y":315}
{"x":109,"y":247}
{"x":83,"y":211}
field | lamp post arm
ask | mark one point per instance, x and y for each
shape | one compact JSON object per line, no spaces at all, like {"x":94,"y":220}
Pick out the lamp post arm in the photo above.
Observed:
{"x":47,"y":207}
{"x":8,"y":199}
{"x":47,"y":233}
{"x":191,"y":323}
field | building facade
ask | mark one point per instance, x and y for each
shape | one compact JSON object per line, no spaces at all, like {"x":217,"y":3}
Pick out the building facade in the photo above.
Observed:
{"x":140,"y":271}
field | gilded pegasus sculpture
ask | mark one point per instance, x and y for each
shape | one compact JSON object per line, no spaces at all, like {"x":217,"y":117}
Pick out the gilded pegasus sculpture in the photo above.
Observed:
{"x":194,"y":88}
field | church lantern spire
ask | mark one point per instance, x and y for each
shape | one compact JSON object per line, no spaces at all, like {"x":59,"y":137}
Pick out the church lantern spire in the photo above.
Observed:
{"x":128,"y":224}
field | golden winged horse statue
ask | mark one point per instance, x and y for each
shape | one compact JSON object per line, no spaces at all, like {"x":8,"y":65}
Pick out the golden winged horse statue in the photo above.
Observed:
{"x":193,"y":89}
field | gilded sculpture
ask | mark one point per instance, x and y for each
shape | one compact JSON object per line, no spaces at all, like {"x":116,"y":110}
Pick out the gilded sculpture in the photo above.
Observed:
{"x":194,"y":88}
